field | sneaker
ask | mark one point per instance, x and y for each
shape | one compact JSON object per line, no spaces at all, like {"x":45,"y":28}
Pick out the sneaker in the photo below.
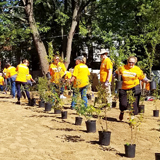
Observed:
{"x":18,"y":102}
{"x":121,"y":116}
{"x":62,"y":96}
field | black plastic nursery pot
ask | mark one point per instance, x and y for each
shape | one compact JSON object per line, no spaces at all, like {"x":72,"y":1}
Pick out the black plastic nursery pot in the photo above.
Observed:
{"x":69,"y":93}
{"x":130,"y":150}
{"x":104,"y":137}
{"x":114,"y":104}
{"x":153,"y":85}
{"x":155,"y":113}
{"x":157,"y":156}
{"x":48,"y":107}
{"x":33,"y":102}
{"x":57,"y":111}
{"x":41,"y":104}
{"x":89,"y":96}
{"x":78,"y":120}
{"x":64,"y":114}
{"x":141,"y":108}
{"x":91,"y":126}
{"x":118,"y":85}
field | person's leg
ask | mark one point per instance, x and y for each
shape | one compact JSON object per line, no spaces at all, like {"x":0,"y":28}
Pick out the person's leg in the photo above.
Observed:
{"x":1,"y":87}
{"x":84,"y":95}
{"x":74,"y":98}
{"x":26,"y":90}
{"x":18,"y":87}
{"x":122,"y":102}
{"x":136,"y":104}
{"x":108,"y":93}
{"x":13,"y":86}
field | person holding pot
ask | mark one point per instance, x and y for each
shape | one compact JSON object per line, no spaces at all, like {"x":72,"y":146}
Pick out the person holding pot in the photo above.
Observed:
{"x":80,"y":81}
{"x":106,"y":69}
{"x":131,"y":76}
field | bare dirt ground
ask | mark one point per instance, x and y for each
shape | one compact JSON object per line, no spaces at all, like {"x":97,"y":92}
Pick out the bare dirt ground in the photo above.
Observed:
{"x":28,"y":133}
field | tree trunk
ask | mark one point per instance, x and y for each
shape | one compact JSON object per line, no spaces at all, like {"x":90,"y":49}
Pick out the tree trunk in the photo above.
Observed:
{"x":71,"y":33}
{"x":36,"y":36}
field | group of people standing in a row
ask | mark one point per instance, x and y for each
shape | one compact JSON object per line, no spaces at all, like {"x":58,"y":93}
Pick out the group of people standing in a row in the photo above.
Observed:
{"x":16,"y":77}
{"x":79,"y":77}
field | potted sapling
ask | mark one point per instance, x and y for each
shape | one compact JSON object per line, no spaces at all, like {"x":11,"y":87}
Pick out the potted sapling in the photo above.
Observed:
{"x":58,"y":103}
{"x":104,"y":134}
{"x":90,"y":124}
{"x":79,"y":107}
{"x":156,"y":97}
{"x":141,"y":106}
{"x":134,"y":123}
{"x":42,"y":87}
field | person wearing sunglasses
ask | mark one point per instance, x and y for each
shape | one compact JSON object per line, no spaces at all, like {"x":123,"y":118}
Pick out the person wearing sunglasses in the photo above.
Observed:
{"x":131,"y":76}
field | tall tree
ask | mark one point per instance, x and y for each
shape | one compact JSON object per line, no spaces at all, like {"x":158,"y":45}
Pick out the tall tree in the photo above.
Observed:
{"x":36,"y":36}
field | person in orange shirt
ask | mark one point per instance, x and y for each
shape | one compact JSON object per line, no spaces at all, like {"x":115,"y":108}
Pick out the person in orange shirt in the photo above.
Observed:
{"x":106,"y":70}
{"x":1,"y":82}
{"x":57,"y":71}
{"x":21,"y":79}
{"x":11,"y":74}
{"x":80,"y":80}
{"x":131,"y":75}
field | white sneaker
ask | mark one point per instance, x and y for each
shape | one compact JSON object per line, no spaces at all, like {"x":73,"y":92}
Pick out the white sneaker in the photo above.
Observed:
{"x":62,"y":96}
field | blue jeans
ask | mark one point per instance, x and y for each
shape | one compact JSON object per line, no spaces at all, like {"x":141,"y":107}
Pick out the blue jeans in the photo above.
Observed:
{"x":18,"y":85}
{"x":13,"y":85}
{"x":83,"y":92}
{"x":1,"y":87}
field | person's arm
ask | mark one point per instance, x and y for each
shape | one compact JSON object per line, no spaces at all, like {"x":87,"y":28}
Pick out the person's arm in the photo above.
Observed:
{"x":72,"y":79}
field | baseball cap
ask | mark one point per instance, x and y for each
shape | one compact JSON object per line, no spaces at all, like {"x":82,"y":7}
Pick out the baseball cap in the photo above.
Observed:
{"x":79,"y":58}
{"x":103,"y":51}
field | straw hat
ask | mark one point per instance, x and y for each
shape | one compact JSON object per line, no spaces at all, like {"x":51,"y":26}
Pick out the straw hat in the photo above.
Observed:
{"x":104,"y":51}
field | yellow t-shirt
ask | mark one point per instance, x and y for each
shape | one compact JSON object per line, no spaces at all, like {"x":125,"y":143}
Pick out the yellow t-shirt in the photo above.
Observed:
{"x":68,"y":75}
{"x":57,"y":72}
{"x":105,"y":65}
{"x":131,"y":76}
{"x":11,"y":71}
{"x":29,"y":77}
{"x":22,"y":71}
{"x":81,"y":72}
{"x":1,"y":80}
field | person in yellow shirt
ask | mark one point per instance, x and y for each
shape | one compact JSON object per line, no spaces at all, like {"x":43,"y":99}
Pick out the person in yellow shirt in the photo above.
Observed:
{"x":22,"y":72}
{"x":131,"y":76}
{"x":80,"y":80}
{"x":57,"y":71}
{"x":1,"y":82}
{"x":11,"y":74}
{"x":106,"y":70}
{"x":30,"y":80}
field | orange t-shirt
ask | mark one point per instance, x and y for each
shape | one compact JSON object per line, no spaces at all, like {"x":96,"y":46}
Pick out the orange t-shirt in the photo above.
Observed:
{"x":130,"y":76}
{"x":57,"y":72}
{"x":105,"y":65}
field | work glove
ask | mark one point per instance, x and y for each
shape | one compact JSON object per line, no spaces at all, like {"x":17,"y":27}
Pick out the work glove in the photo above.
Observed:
{"x":107,"y":84}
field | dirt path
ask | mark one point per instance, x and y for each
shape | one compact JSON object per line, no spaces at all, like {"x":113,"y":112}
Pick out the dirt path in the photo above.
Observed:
{"x":27,"y":133}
